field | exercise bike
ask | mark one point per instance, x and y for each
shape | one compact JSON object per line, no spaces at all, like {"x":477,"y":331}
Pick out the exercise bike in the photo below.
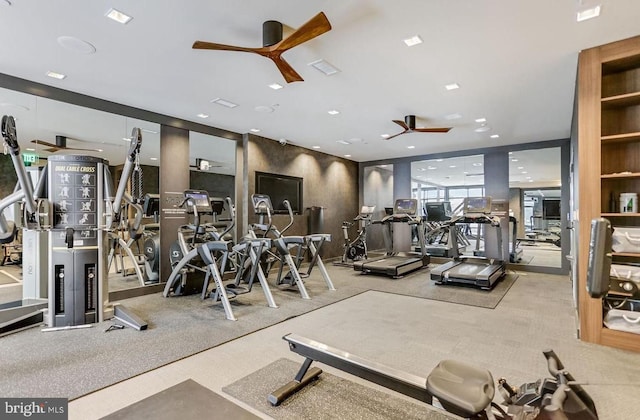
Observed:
{"x":356,"y":250}
{"x":458,"y":388}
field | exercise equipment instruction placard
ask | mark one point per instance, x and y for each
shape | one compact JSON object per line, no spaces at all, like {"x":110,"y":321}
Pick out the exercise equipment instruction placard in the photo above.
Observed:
{"x":74,"y":194}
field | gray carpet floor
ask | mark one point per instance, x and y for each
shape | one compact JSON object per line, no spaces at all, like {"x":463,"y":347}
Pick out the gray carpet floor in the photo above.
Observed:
{"x":76,"y":362}
{"x":187,"y":400}
{"x":329,"y":397}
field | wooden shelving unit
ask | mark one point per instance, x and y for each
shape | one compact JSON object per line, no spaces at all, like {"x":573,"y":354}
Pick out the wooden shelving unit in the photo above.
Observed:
{"x":609,"y":164}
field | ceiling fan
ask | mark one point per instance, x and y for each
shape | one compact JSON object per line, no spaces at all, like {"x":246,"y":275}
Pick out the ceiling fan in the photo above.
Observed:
{"x":60,"y":144}
{"x":205,"y":164}
{"x":409,"y":125}
{"x":273,"y":45}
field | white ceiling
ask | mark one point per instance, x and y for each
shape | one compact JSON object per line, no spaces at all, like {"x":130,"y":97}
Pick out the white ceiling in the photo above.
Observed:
{"x":515,"y":63}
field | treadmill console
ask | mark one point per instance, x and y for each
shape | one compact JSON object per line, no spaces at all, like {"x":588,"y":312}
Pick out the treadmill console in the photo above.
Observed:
{"x":438,"y":212}
{"x":261,"y":203}
{"x":367,"y":210}
{"x":200,"y":199}
{"x":405,"y":206}
{"x":476,"y":206}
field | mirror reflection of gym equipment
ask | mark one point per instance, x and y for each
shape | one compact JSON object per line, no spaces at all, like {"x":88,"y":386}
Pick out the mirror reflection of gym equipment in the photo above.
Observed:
{"x":71,"y":209}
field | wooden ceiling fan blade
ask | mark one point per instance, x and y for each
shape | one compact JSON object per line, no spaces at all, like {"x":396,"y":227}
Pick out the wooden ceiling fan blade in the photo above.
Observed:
{"x":289,"y":74}
{"x":44,"y":143}
{"x":402,"y":124}
{"x":83,"y":150}
{"x":396,"y":135}
{"x":316,"y":26}
{"x":433,"y":130}
{"x":203,"y":45}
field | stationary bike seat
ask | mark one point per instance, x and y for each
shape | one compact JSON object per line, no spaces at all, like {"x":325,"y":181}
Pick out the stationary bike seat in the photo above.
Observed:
{"x":461,"y":389}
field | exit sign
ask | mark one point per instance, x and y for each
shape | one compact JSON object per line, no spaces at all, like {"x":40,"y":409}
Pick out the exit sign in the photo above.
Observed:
{"x":30,"y":159}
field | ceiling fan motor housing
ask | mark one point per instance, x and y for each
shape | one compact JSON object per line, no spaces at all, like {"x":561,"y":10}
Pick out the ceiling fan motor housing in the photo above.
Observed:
{"x":410,"y":120}
{"x":61,"y":141}
{"x":271,"y":33}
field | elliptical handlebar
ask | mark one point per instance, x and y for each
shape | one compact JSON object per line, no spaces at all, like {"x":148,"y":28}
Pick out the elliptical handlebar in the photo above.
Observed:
{"x":134,"y":149}
{"x":232,"y":215}
{"x":263,"y":203}
{"x":11,"y":140}
{"x":290,"y":211}
{"x":554,"y":365}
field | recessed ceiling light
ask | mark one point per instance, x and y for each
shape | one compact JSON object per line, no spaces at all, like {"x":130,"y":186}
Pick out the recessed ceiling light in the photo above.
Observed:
{"x":77,"y":45}
{"x":481,"y":120}
{"x":343,"y":142}
{"x":432,"y":167}
{"x":452,"y":86}
{"x":223,"y":102}
{"x":324,"y":67}
{"x":333,"y":112}
{"x":264,"y":108}
{"x":100,"y":150}
{"x":455,"y":116}
{"x":477,"y":164}
{"x":201,"y":115}
{"x":531,"y":180}
{"x":255,"y":130}
{"x":586,"y":14}
{"x":520,"y":167}
{"x":316,"y":147}
{"x":528,"y":177}
{"x":452,"y":166}
{"x":494,"y":136}
{"x":414,"y":40}
{"x":411,"y":147}
{"x":31,"y":149}
{"x":382,"y":166}
{"x":439,"y":160}
{"x":55,"y":75}
{"x":482,"y":129}
{"x":524,"y":172}
{"x":118,"y":16}
{"x":510,"y":153}
{"x":465,"y":172}
{"x":384,"y":135}
{"x":10,"y":105}
{"x":347,"y":155}
{"x":275,"y":86}
{"x":514,"y":160}
{"x":153,"y":158}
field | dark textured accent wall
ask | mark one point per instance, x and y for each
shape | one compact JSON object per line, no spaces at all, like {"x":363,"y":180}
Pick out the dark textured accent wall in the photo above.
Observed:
{"x":328,"y":181}
{"x":217,"y":185}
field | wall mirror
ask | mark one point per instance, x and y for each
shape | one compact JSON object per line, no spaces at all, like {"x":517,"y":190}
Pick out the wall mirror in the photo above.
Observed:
{"x":534,"y":201}
{"x":42,"y":123}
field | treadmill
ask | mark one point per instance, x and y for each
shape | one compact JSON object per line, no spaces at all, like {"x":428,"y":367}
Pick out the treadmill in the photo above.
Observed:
{"x":482,"y":272}
{"x":437,"y":238}
{"x":397,"y":264}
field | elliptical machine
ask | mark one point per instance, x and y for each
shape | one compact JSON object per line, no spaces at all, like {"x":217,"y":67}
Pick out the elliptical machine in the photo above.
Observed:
{"x":356,"y":250}
{"x":191,"y":278}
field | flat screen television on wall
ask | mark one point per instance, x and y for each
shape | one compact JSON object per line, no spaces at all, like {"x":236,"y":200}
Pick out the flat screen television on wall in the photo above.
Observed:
{"x":280,"y":188}
{"x":551,"y":209}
